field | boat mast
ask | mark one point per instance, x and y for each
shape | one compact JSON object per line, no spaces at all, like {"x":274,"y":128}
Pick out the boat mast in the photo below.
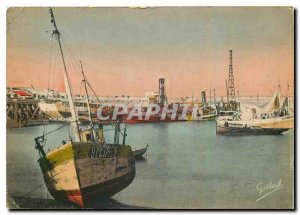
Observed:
{"x":210,"y":97}
{"x":88,"y":104}
{"x":238,"y":97}
{"x":215,"y":97}
{"x":117,"y":130}
{"x":193,"y":98}
{"x":124,"y":135}
{"x":66,"y":78}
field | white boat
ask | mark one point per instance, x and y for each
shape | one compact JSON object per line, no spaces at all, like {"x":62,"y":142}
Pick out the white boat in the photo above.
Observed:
{"x":139,"y":152}
{"x":274,"y":118}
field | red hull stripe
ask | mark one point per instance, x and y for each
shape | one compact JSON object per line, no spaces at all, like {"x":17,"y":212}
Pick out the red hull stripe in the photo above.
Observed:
{"x":75,"y":197}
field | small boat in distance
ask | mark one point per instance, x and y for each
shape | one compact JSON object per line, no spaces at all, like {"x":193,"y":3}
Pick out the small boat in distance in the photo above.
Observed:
{"x":139,"y":152}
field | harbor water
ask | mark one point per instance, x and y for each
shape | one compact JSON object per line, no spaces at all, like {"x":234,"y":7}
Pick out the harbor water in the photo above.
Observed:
{"x":187,"y":166}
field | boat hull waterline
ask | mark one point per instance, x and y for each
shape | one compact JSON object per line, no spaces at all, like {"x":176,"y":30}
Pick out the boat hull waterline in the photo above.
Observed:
{"x":84,"y":173}
{"x":256,"y":127}
{"x":138,"y":153}
{"x":249,"y":131}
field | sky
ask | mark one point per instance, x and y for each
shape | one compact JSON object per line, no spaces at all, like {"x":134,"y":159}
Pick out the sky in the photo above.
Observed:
{"x":124,"y":51}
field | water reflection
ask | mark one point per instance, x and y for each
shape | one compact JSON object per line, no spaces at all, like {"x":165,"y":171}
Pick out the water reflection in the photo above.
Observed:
{"x":140,"y":160}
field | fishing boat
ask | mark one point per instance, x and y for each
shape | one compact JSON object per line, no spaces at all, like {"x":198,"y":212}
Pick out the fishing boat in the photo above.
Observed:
{"x":85,"y":168}
{"x":274,"y":118}
{"x":139,"y":152}
{"x":257,"y":127}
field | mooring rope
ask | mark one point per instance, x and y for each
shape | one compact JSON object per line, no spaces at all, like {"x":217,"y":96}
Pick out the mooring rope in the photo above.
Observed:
{"x":32,"y":190}
{"x":26,"y":194}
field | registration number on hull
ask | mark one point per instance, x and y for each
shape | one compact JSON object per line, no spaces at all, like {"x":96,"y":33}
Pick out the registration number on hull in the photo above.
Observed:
{"x":101,"y":152}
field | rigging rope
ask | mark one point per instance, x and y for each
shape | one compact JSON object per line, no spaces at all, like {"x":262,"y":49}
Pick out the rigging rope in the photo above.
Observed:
{"x":26,"y":194}
{"x":113,"y":125}
{"x":49,"y":70}
{"x":57,"y":128}
{"x":49,"y":181}
{"x":50,"y":64}
{"x":74,"y":62}
{"x":80,"y":87}
{"x":78,"y":69}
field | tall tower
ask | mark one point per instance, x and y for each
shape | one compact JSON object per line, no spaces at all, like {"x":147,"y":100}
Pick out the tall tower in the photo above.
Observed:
{"x":232,"y":105}
{"x":162,"y":94}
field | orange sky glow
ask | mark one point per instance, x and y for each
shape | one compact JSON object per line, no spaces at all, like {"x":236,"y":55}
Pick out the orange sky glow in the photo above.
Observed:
{"x":125,"y":51}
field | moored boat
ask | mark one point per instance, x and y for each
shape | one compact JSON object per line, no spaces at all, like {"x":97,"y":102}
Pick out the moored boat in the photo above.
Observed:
{"x":256,"y":126}
{"x":85,"y":168}
{"x":274,"y":118}
{"x":139,"y":152}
